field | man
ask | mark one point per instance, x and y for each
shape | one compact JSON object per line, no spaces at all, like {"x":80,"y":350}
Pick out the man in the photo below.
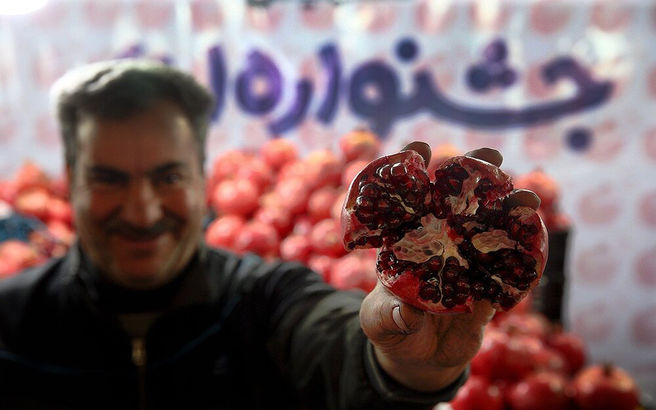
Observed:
{"x":140,"y":314}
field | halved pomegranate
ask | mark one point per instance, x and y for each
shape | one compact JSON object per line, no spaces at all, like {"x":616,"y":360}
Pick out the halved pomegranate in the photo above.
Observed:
{"x":446,"y":243}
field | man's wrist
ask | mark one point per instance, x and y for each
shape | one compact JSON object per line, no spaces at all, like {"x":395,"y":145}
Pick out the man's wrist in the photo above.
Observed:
{"x":420,"y":377}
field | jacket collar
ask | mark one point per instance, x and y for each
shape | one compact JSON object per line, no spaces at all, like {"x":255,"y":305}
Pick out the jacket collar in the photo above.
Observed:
{"x":191,"y":287}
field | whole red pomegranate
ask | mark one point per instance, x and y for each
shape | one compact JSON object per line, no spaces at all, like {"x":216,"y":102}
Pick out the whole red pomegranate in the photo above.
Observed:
{"x":323,"y":265}
{"x":477,"y":394}
{"x":540,"y":391}
{"x":225,"y":165}
{"x":259,"y":238}
{"x":303,"y":225}
{"x":326,"y":239}
{"x":489,"y":359}
{"x":352,"y":169}
{"x":61,"y":231}
{"x":15,"y":256}
{"x":221,"y":232}
{"x":354,"y":271}
{"x":506,"y":357}
{"x":446,"y":243}
{"x":549,"y":359}
{"x":543,"y":185}
{"x":30,"y":176}
{"x":338,"y":204}
{"x":276,"y":216}
{"x":605,"y":387}
{"x":571,"y":347}
{"x":33,"y":202}
{"x":256,"y":171}
{"x":292,"y":194}
{"x":359,"y":144}
{"x":533,"y":324}
{"x":321,"y":201}
{"x":59,"y":210}
{"x":235,"y":196}
{"x":296,"y":247}
{"x":322,"y":168}
{"x":278,"y":152}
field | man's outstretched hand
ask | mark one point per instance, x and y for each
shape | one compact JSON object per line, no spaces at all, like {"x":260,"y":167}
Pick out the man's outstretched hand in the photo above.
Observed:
{"x":420,"y":350}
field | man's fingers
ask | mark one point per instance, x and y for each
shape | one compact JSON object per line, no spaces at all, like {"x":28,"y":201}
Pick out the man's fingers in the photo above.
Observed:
{"x":422,"y":148}
{"x":490,"y":155}
{"x":382,"y":315}
{"x":523,"y":197}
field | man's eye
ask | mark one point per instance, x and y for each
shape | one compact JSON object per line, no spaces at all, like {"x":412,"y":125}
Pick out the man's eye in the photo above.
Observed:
{"x":170,"y":178}
{"x":107,"y":180}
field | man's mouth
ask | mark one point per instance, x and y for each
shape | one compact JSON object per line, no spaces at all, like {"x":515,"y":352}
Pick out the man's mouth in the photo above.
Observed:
{"x":141,"y":242}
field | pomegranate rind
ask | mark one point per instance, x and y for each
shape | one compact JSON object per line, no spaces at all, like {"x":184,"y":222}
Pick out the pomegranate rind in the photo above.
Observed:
{"x":407,"y":286}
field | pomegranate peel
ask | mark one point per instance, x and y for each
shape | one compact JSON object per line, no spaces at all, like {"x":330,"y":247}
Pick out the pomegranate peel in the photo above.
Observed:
{"x":444,"y":244}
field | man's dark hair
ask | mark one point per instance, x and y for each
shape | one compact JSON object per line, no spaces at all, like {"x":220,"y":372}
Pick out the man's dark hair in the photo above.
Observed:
{"x":119,"y":89}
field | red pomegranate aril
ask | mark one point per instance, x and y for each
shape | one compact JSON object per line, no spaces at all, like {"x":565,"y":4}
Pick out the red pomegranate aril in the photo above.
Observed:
{"x":485,"y":249}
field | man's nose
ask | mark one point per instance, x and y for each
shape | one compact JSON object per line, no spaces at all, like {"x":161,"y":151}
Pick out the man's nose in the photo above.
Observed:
{"x":142,"y":206}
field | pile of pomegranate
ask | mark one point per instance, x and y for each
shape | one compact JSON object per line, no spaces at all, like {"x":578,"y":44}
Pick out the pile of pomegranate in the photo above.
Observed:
{"x":528,"y":363}
{"x":36,"y":219}
{"x":279,"y":204}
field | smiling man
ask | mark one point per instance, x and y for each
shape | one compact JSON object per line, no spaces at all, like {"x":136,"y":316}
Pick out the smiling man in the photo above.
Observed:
{"x":141,"y":314}
{"x":138,"y":191}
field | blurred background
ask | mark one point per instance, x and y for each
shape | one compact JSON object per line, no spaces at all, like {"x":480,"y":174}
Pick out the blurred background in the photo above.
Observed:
{"x":564,"y":87}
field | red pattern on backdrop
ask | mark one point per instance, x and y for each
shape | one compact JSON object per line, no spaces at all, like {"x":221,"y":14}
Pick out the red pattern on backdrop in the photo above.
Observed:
{"x":596,"y":265}
{"x":548,"y":17}
{"x":600,"y":205}
{"x":645,"y":268}
{"x":541,"y":143}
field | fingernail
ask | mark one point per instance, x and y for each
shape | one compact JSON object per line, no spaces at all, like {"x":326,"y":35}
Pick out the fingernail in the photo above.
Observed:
{"x":396,"y":315}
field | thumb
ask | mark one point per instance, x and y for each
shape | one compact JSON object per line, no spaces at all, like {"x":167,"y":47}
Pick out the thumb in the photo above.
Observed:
{"x":407,"y":318}
{"x":383,"y":315}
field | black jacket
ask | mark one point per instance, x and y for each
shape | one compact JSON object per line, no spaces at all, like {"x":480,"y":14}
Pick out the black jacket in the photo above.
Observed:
{"x":232,"y":333}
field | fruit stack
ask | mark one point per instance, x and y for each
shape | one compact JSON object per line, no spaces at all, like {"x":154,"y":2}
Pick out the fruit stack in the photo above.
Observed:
{"x":277,"y":204}
{"x":36,"y":221}
{"x":529,"y":363}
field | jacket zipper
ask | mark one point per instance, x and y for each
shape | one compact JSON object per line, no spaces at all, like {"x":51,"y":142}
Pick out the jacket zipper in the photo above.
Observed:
{"x":139,"y":358}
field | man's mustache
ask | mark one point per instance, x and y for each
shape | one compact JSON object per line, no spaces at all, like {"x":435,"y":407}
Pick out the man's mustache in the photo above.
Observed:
{"x":139,"y":233}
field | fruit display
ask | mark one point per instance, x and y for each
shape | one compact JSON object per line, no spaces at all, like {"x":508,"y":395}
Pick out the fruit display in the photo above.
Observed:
{"x":36,"y":221}
{"x":278,"y":203}
{"x":528,"y":363}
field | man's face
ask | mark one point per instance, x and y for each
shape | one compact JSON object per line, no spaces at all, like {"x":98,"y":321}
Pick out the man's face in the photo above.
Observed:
{"x":138,"y":194}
